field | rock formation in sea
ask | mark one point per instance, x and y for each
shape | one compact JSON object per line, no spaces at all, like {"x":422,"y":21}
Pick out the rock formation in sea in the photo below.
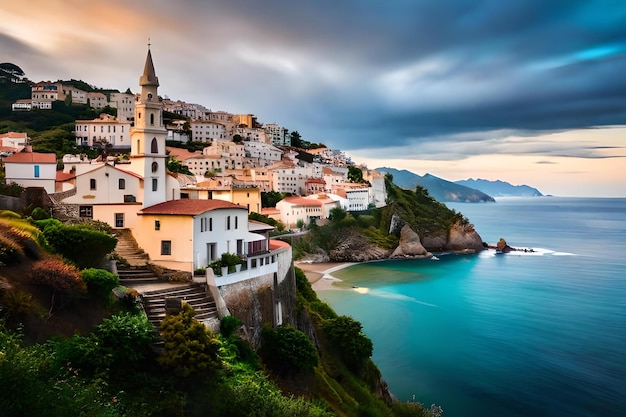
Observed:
{"x":410,"y":245}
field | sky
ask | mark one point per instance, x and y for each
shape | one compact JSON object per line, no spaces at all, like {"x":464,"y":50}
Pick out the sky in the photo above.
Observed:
{"x":526,"y":91}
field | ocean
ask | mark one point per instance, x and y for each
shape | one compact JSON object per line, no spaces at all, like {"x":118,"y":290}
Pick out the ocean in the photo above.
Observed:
{"x":539,"y":333}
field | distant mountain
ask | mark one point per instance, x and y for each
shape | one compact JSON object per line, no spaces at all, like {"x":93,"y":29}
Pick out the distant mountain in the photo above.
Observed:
{"x":438,"y":188}
{"x":500,"y":188}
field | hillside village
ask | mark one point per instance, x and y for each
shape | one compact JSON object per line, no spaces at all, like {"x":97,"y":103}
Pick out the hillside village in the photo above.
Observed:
{"x":188,"y":222}
{"x":198,"y":230}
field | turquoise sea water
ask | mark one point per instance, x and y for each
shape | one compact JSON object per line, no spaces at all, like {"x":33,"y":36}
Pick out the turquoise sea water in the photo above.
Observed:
{"x":530,"y":334}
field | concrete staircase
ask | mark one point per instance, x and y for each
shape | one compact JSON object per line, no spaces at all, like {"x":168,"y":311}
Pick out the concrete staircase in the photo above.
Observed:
{"x":194,"y":294}
{"x":128,"y":249}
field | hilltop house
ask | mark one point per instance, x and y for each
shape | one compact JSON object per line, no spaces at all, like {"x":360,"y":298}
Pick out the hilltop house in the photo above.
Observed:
{"x":31,"y":169}
{"x":189,"y":234}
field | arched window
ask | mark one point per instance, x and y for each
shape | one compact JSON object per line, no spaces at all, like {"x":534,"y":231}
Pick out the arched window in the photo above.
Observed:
{"x":151,"y":118}
{"x":121,"y":184}
{"x":155,"y":167}
{"x":154,"y":146}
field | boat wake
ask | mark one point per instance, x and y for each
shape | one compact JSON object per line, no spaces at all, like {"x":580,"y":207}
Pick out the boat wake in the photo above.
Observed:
{"x":394,"y":296}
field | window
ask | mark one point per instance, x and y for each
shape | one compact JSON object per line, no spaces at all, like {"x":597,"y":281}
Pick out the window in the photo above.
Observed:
{"x":121,"y":184}
{"x":155,"y":184}
{"x":228,"y":223}
{"x":155,"y":167}
{"x":151,"y":118}
{"x":119,"y":219}
{"x":85,"y":211}
{"x":36,"y":171}
{"x":236,"y":221}
{"x":129,"y":198}
{"x":92,"y":184}
{"x":210,"y":224}
{"x":157,"y":225}
{"x":202,"y":224}
{"x":166,"y":247}
{"x":154,"y":146}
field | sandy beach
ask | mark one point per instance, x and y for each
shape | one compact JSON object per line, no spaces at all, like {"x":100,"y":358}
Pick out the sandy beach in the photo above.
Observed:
{"x":320,"y":274}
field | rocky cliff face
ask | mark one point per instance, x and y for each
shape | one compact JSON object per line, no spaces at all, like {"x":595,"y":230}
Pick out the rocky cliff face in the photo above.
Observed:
{"x":460,"y":238}
{"x":410,"y":245}
{"x":353,"y":247}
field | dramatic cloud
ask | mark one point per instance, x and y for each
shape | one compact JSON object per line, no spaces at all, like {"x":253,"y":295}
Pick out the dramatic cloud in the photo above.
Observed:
{"x":430,"y":79}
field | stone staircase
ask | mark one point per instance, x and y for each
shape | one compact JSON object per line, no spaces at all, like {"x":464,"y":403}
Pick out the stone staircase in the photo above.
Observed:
{"x":128,"y":249}
{"x":137,"y":276}
{"x":156,"y":301}
{"x":157,"y":294}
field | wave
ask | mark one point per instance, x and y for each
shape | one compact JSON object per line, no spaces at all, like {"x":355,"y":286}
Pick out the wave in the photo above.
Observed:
{"x":390,"y":295}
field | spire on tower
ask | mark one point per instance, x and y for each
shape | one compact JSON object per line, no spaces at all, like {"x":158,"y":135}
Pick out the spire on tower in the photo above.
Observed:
{"x":149,"y":76}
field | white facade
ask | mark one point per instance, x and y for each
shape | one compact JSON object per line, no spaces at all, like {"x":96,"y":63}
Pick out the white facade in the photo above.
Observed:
{"x":104,"y":129}
{"x":293,"y":209}
{"x":263,"y":153}
{"x":31,"y":169}
{"x":125,"y":105}
{"x":251,"y":134}
{"x":358,"y":198}
{"x":97,"y":100}
{"x":22,"y":105}
{"x":277,"y":135}
{"x":209,"y":131}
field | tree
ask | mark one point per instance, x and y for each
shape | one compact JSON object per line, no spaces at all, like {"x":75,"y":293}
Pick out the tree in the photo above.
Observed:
{"x":174,"y":165}
{"x":270,"y":198}
{"x":346,"y":335}
{"x":337,"y":214}
{"x":355,"y":174}
{"x":237,"y":139}
{"x":189,"y":347}
{"x":296,"y":139}
{"x":287,"y":350}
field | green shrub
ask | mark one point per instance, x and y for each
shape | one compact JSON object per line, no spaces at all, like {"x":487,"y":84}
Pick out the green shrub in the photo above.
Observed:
{"x":15,"y":303}
{"x":286,"y":350}
{"x":189,"y":348}
{"x":345,"y":334}
{"x":84,"y":247}
{"x":303,"y":286}
{"x":100,"y":281}
{"x":229,"y":324}
{"x":39,"y":214}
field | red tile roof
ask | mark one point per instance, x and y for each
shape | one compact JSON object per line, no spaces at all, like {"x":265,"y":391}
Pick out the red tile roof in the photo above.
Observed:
{"x":187,"y":207}
{"x":64,"y":176}
{"x":301,"y":201}
{"x":14,"y":135}
{"x":32,"y":157}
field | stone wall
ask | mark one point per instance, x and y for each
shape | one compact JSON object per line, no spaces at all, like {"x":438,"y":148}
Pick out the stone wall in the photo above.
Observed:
{"x":11,"y":203}
{"x":268,"y":299}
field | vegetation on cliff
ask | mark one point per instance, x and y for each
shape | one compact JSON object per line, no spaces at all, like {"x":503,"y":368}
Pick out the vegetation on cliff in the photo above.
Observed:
{"x":363,"y":236}
{"x":73,"y":341}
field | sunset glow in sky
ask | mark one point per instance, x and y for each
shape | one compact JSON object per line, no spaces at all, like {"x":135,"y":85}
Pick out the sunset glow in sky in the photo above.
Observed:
{"x":526,"y":91}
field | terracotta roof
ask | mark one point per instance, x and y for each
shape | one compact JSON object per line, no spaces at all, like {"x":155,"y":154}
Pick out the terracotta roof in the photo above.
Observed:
{"x":32,"y":157}
{"x":187,"y":207}
{"x":301,"y":201}
{"x":180,"y":153}
{"x":64,"y":176}
{"x":275,"y":244}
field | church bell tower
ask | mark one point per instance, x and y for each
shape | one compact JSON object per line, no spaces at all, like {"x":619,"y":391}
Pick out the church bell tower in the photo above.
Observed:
{"x":147,"y":138}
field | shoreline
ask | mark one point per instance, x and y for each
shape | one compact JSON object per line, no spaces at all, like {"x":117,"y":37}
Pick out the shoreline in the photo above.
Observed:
{"x":320,"y":274}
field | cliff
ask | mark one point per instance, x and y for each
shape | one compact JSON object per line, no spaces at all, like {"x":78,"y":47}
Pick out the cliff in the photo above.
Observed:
{"x":412,"y":225}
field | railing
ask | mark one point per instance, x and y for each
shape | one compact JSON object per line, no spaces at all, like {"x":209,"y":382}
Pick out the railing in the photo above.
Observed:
{"x":255,"y":266}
